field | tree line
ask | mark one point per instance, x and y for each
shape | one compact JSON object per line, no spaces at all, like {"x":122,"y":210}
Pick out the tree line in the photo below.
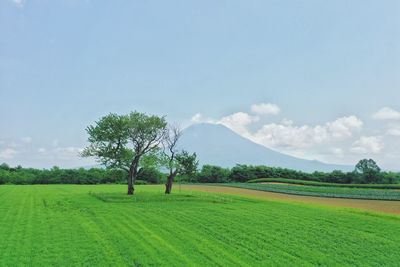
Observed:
{"x":364,"y":174}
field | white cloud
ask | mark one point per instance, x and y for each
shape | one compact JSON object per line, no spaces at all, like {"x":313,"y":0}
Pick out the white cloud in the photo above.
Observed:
{"x":265,"y":109}
{"x":288,"y":135}
{"x":337,"y":151}
{"x":67,"y":153}
{"x":14,"y":144}
{"x":26,"y":139}
{"x":18,"y":3}
{"x":238,"y":122}
{"x":197,"y":118}
{"x":345,"y":126}
{"x":387,"y":113}
{"x":367,"y":145}
{"x":8,"y":153}
{"x":42,"y":150}
{"x":393,"y":132}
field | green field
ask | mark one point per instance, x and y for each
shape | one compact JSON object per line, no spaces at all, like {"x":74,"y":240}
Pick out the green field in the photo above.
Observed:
{"x":65,"y":225}
{"x":322,"y":191}
{"x":314,"y":183}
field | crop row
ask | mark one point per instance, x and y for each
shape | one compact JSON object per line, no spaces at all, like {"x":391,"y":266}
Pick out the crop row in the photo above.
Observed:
{"x":314,"y":183}
{"x":320,"y":191}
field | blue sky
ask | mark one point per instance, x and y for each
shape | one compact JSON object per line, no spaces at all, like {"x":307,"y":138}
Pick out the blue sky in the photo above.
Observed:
{"x":329,"y":68}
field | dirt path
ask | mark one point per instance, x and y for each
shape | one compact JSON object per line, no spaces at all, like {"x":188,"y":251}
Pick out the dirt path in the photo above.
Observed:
{"x":392,"y":207}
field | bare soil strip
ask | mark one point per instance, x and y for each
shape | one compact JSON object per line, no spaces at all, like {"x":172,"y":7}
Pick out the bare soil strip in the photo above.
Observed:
{"x":392,"y":207}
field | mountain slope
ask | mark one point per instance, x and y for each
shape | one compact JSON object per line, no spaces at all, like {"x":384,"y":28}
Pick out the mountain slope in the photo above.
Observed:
{"x":218,"y":145}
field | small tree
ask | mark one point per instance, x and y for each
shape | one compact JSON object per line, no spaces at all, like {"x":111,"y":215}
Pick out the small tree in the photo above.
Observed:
{"x":369,"y":170}
{"x":177,"y":162}
{"x":123,"y":141}
{"x":5,"y":166}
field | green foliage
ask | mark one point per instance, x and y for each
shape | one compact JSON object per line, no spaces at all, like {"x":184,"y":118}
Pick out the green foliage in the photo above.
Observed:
{"x":213,"y":174}
{"x":369,"y":170}
{"x":67,"y":225}
{"x":313,"y":183}
{"x":187,"y":163}
{"x":323,"y":191}
{"x":108,"y":142}
{"x":178,"y":162}
{"x":244,"y":173}
{"x":4,"y":166}
{"x":117,"y":140}
{"x":124,"y":141}
{"x":208,"y":174}
{"x":61,"y":176}
{"x":150,"y":175}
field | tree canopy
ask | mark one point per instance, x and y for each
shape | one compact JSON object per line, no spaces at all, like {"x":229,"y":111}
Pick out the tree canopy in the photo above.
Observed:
{"x":123,"y":141}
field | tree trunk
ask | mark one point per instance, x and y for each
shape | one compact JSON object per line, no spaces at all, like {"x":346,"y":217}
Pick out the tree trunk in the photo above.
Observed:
{"x":130,"y":182}
{"x":168,"y":185}
{"x":133,"y":171}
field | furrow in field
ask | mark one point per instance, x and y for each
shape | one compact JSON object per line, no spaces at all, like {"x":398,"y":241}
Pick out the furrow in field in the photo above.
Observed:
{"x":160,"y":241}
{"x":205,"y":245}
{"x":131,"y":240}
{"x":103,"y":249}
{"x":11,"y":238}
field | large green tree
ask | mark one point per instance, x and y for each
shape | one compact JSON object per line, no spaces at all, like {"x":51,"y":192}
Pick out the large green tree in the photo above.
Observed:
{"x":126,"y":142}
{"x":369,"y":170}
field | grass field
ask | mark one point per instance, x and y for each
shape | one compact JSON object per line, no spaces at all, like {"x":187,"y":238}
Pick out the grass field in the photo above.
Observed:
{"x":322,"y":191}
{"x":65,"y":225}
{"x":314,"y":183}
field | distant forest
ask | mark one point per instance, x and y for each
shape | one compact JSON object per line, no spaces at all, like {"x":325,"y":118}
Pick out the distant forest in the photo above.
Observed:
{"x":363,"y":174}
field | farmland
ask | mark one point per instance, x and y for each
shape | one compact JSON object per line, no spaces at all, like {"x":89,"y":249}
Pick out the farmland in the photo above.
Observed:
{"x":315,"y":183}
{"x":322,"y":191}
{"x":68,"y":225}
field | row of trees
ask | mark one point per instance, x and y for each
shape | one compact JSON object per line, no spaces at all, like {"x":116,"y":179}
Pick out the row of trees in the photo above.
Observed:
{"x":365,"y":172}
{"x":56,"y":175}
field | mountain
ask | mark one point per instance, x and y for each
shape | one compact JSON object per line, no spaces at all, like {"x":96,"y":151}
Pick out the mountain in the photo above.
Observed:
{"x":218,"y":145}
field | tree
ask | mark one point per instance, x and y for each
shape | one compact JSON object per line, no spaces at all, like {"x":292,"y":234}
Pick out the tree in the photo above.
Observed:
{"x":150,"y":175}
{"x":123,"y":141}
{"x":369,"y":170}
{"x":213,"y":174}
{"x":5,"y":166}
{"x":177,"y":162}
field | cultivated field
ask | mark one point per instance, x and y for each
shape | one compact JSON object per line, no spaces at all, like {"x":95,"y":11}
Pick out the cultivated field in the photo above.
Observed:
{"x":376,"y":206}
{"x":323,"y":191}
{"x":314,"y":183}
{"x":65,"y":225}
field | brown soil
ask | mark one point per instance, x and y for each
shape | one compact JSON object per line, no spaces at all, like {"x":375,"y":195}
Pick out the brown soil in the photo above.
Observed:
{"x":392,"y":207}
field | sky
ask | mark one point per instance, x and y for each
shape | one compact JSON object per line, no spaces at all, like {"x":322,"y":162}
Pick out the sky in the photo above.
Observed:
{"x":314,"y":79}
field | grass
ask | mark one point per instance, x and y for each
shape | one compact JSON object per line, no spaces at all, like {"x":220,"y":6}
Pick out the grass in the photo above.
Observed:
{"x":323,"y":191}
{"x":98,"y":225}
{"x":314,"y":183}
